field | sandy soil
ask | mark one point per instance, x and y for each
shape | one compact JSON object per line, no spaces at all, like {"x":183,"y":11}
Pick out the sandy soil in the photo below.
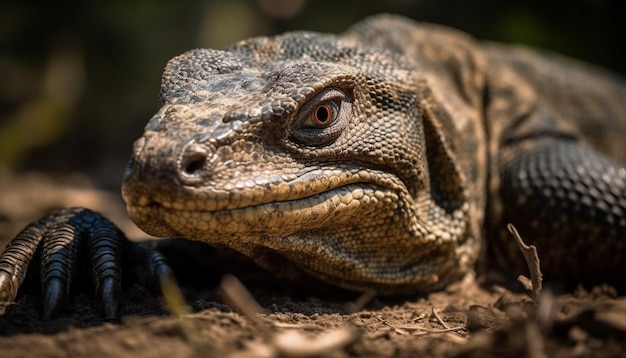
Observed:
{"x":480,"y":317}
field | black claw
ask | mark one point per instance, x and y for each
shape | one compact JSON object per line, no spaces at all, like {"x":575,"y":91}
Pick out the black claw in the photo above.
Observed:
{"x":58,"y":255}
{"x":54,"y":295}
{"x":105,"y":253}
{"x":150,"y":266}
{"x":164,"y":271}
{"x":110,"y":290}
{"x":160,"y":268}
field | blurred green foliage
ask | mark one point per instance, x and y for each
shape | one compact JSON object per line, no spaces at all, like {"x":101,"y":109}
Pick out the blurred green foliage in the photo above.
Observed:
{"x":78,"y":79}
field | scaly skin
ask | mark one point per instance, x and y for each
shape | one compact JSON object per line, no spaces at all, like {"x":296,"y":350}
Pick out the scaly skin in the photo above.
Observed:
{"x":383,"y":158}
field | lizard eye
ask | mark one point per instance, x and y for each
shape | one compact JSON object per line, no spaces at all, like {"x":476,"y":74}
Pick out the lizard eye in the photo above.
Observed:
{"x":322,"y":115}
{"x":323,"y":118}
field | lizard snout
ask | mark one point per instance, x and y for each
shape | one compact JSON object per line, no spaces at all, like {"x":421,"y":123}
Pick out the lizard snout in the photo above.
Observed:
{"x":161,"y":169}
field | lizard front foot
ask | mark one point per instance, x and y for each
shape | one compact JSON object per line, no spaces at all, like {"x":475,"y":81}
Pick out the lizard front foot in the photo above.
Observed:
{"x":59,"y":243}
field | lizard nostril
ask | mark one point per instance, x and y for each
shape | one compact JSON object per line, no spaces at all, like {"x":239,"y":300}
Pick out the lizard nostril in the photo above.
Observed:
{"x":193,"y":160}
{"x":193,"y":163}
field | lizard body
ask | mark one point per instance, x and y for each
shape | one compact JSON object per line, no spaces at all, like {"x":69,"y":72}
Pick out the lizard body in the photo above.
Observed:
{"x":384,"y":157}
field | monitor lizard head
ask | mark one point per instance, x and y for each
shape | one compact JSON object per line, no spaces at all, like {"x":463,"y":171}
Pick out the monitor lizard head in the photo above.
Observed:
{"x":304,"y":149}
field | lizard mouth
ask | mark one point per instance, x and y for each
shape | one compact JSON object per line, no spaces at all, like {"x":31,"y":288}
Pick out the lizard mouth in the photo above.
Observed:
{"x":279,"y":216}
{"x":257,"y":191}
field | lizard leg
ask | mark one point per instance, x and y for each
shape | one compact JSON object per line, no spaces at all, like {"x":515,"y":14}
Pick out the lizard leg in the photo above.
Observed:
{"x":570,"y":201}
{"x":58,"y":243}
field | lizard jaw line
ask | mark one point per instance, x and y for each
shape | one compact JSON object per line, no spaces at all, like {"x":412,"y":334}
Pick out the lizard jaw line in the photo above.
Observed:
{"x":308,"y":212}
{"x":305,"y":186}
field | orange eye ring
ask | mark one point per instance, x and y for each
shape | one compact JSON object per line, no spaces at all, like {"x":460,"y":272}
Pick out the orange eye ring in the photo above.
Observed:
{"x":323,"y":115}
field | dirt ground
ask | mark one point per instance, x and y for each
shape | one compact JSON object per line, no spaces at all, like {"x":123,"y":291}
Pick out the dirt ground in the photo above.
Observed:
{"x":480,"y":317}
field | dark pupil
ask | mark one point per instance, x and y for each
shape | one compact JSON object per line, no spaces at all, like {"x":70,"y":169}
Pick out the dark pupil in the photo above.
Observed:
{"x":322,"y":114}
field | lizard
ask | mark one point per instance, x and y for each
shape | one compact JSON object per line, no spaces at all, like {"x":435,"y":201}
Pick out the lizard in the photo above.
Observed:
{"x":389,"y":158}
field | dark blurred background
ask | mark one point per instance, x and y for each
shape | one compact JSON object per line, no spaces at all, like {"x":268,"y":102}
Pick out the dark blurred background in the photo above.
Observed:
{"x":79,"y":79}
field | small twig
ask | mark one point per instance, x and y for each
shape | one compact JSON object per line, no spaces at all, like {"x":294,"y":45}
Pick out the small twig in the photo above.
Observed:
{"x":432,"y":330}
{"x":240,"y":298}
{"x":425,"y":330}
{"x":178,"y":307}
{"x":386,"y":323}
{"x":361,"y":301}
{"x":436,"y":315}
{"x":532,"y":260}
{"x":526,"y":282}
{"x":419,"y":318}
